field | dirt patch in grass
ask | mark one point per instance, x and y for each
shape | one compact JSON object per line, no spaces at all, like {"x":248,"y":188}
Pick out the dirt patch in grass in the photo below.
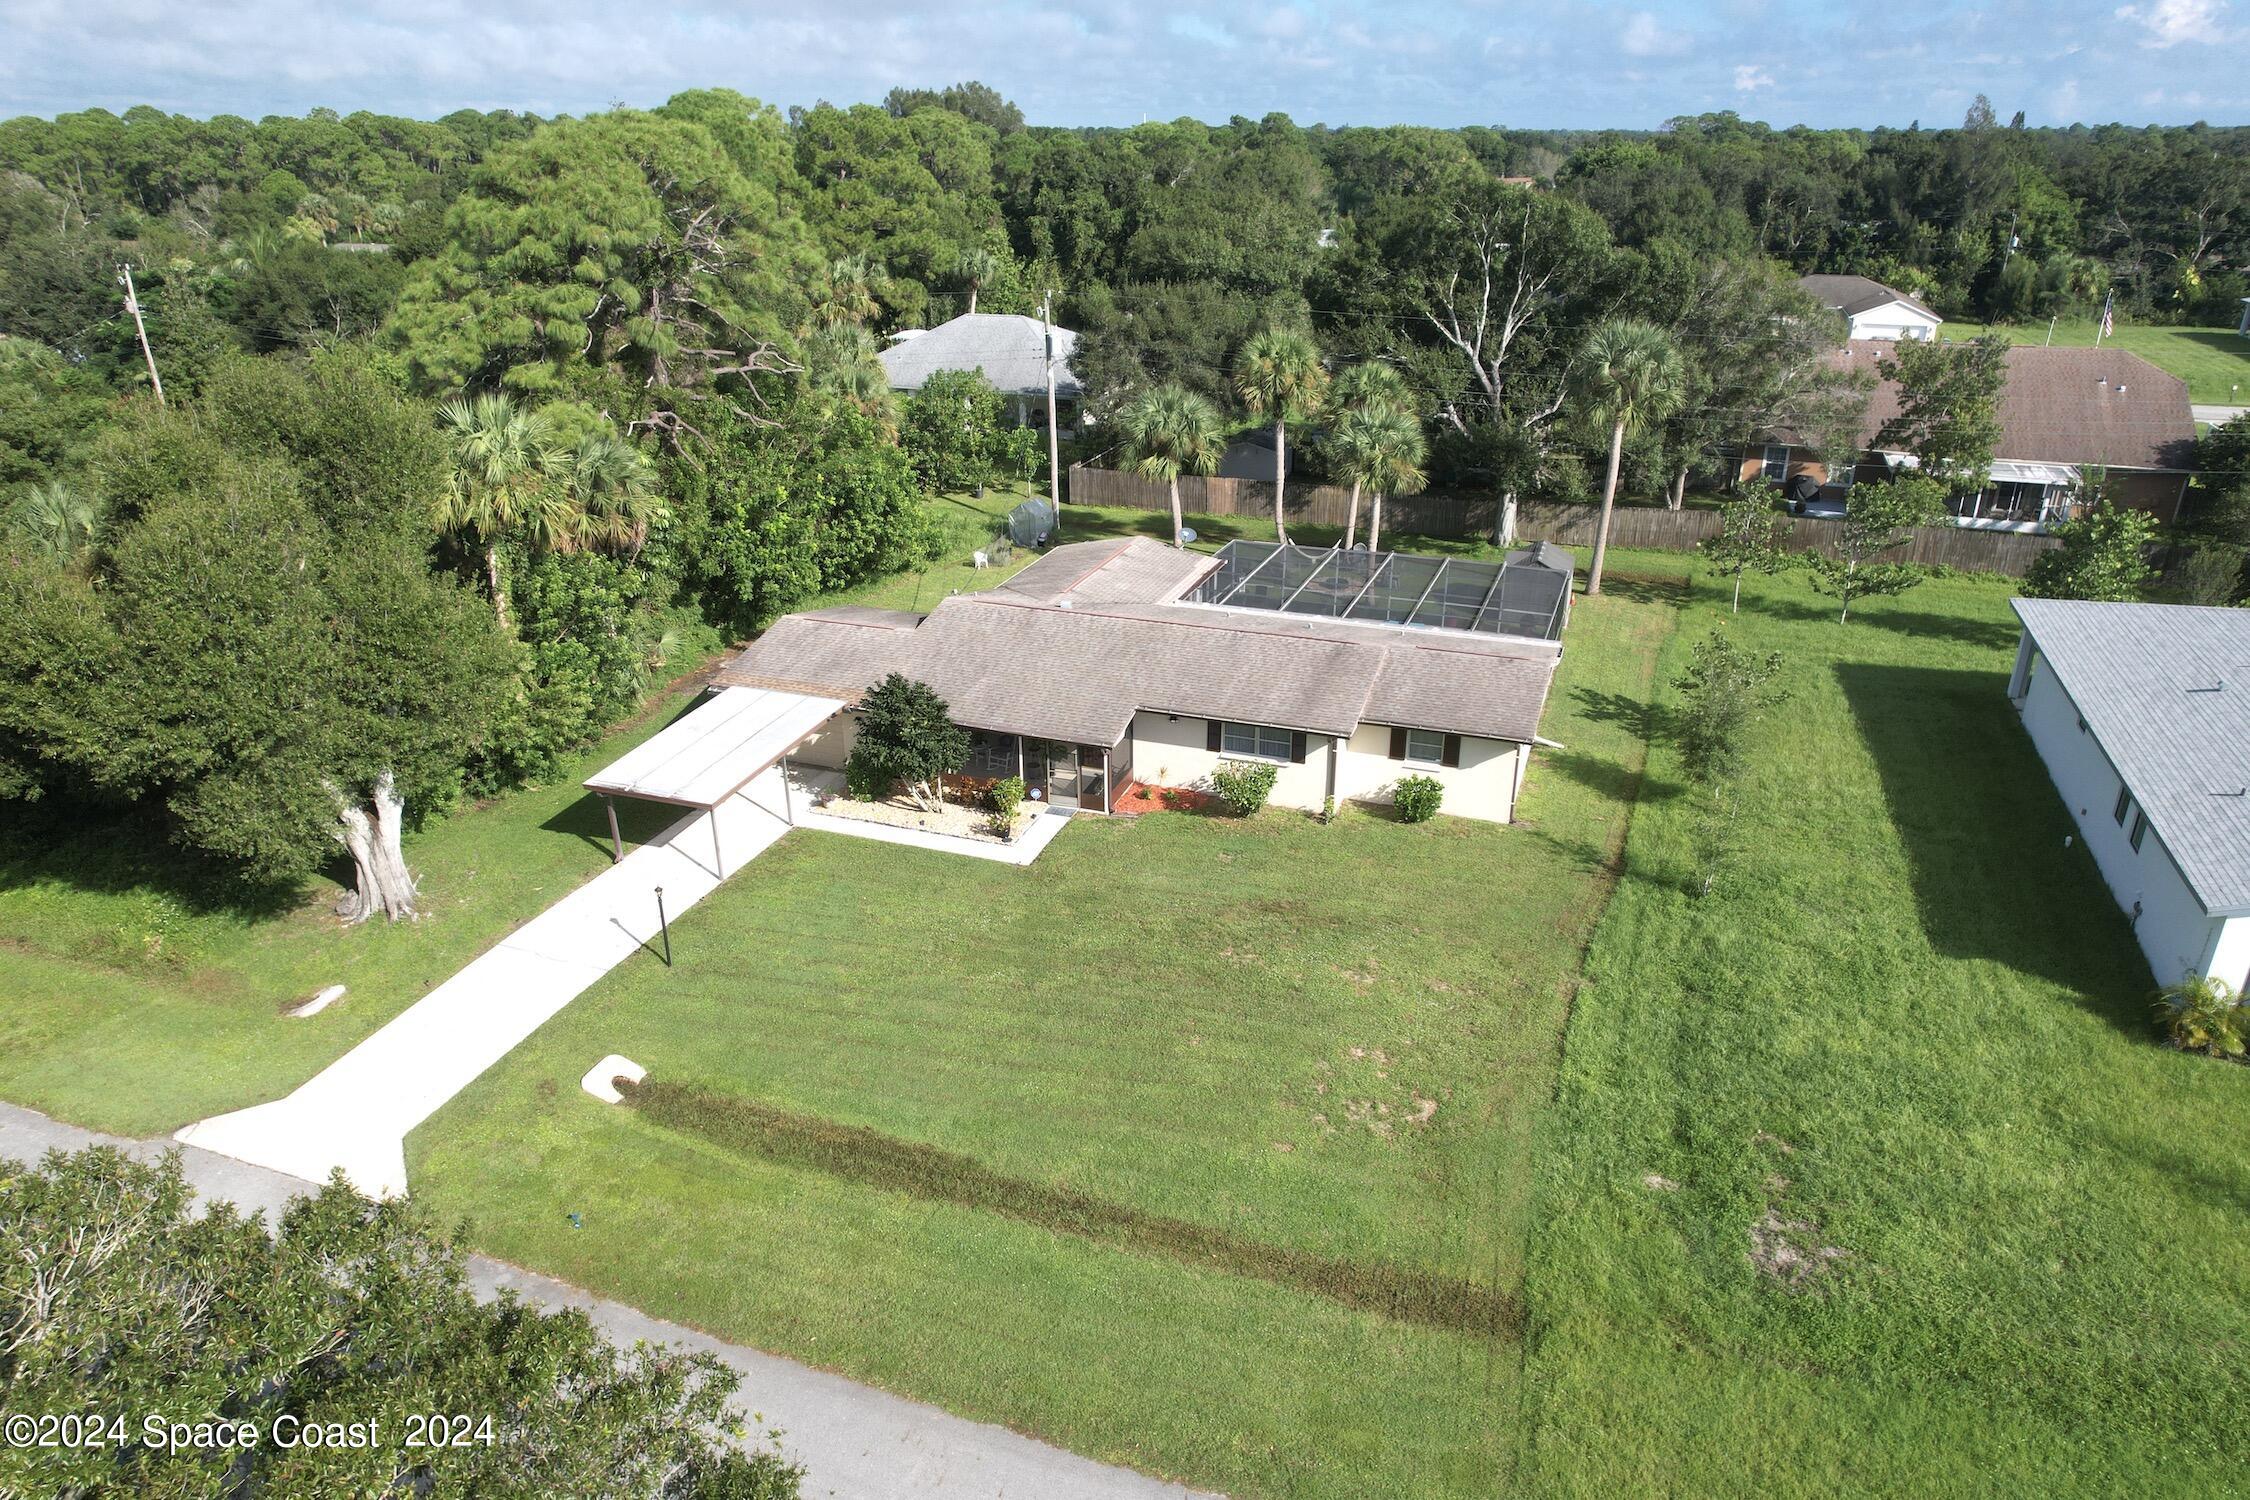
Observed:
{"x":877,"y":1160}
{"x":1789,"y":1250}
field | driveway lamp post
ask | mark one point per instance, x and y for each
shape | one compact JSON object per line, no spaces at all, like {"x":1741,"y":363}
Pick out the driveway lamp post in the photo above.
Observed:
{"x":665,"y":926}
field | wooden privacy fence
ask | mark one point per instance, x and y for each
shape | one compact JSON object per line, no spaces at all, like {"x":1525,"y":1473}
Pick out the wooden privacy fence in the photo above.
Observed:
{"x":1960,"y":547}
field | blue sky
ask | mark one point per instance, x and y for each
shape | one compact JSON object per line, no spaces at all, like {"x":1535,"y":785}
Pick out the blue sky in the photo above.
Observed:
{"x":1510,"y":62}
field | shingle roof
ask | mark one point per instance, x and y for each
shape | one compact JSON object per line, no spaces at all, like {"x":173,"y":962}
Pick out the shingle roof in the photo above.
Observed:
{"x":1134,"y":571}
{"x":1852,"y":295}
{"x":1007,"y":346}
{"x":1018,"y":660}
{"x":2064,"y":406}
{"x":2165,"y":688}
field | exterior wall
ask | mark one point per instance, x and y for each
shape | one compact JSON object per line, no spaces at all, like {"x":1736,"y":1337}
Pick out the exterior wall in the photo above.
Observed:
{"x":2171,"y":927}
{"x":1482,"y":786}
{"x":828,"y":748}
{"x":1171,"y":752}
{"x":2148,"y":490}
{"x":1893,"y":321}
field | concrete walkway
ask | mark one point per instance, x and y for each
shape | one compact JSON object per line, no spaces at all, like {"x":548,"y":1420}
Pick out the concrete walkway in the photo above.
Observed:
{"x":856,"y":1443}
{"x":356,"y":1112}
{"x":2216,"y":416}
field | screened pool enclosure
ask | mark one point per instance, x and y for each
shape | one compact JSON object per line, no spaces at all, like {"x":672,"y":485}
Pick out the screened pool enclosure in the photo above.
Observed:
{"x":1523,"y":598}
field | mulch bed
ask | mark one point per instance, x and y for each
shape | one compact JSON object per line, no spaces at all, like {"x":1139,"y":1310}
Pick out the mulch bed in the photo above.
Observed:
{"x":1141,"y":798}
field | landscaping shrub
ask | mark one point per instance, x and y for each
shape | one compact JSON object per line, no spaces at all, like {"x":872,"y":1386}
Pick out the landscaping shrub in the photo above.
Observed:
{"x":866,"y":781}
{"x":1244,"y":785}
{"x":1005,"y":796}
{"x":2202,"y":1014}
{"x":1415,"y":799}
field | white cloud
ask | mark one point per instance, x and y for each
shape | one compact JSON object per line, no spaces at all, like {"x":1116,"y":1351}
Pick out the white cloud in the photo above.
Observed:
{"x":1749,"y":78}
{"x":1284,"y":25}
{"x":2171,"y":22}
{"x":1644,"y":36}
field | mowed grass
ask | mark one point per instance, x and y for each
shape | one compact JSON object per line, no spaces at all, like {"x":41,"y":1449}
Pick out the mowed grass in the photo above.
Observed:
{"x":136,"y":999}
{"x":2215,"y":362}
{"x":137,"y":994}
{"x":1912,"y":1024}
{"x":1200,"y":1145}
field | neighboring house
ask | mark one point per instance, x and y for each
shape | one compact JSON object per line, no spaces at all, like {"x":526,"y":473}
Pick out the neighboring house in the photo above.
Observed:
{"x":2142,"y":714}
{"x":1009,"y":348}
{"x":1105,"y":663}
{"x":2062,"y":412}
{"x":1249,"y":455}
{"x":1873,"y":309}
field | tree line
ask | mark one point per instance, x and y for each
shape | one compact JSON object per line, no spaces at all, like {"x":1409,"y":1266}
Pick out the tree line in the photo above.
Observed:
{"x":563,"y":404}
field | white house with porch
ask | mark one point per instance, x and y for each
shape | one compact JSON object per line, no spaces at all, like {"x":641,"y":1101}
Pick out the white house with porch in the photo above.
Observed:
{"x":1110,"y":663}
{"x":2142,"y":714}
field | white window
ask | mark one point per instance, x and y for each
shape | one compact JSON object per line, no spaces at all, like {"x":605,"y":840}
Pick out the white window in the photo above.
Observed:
{"x":1775,"y":465}
{"x":1426,"y":746}
{"x":1260,"y":740}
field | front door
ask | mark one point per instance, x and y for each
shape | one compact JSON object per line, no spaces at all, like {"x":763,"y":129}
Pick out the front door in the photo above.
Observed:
{"x":1050,"y":768}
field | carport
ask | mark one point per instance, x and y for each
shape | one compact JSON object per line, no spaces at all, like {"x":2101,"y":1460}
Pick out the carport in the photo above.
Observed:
{"x":711,"y":753}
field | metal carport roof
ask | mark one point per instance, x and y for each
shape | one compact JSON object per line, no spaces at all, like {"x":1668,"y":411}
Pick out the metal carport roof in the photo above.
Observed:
{"x":715,"y":751}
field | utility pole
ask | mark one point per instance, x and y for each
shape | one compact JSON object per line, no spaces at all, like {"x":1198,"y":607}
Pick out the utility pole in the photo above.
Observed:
{"x":133,"y":306}
{"x":1054,"y":439}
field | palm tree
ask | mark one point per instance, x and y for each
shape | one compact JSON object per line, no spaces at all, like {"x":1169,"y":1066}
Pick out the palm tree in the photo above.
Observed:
{"x":850,"y":292}
{"x":1364,"y":387}
{"x":1631,"y":375}
{"x":1171,"y":431}
{"x":840,"y":363}
{"x":976,"y":267}
{"x":505,"y":466}
{"x":1279,"y":377}
{"x":612,"y":491}
{"x":53,"y":521}
{"x":1379,"y":448}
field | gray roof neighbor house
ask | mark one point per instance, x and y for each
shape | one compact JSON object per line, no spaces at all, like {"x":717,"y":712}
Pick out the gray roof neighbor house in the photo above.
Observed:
{"x":1075,"y":644}
{"x":1009,"y":348}
{"x":2165,"y":690}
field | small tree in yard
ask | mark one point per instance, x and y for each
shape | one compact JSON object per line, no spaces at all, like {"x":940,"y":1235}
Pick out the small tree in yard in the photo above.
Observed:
{"x":1948,"y":407}
{"x":1722,"y":693}
{"x":906,"y":738}
{"x":1878,"y":518}
{"x":1752,"y":537}
{"x":953,"y":431}
{"x":2104,"y":555}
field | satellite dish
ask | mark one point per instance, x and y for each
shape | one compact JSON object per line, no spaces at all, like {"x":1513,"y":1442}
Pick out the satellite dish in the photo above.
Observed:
{"x":1187,"y":534}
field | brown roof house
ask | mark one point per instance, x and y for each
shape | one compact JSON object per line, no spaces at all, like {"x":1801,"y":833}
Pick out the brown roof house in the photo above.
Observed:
{"x":1108,"y":662}
{"x":2062,"y":413}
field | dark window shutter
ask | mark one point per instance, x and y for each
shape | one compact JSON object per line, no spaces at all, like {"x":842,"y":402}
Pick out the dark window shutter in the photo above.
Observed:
{"x":1211,"y":740}
{"x":1452,"y":756}
{"x":1398,"y":743}
{"x":1297,"y":746}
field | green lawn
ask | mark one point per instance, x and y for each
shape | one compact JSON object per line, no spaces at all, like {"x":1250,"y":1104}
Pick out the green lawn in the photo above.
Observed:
{"x":136,"y":1004}
{"x":135,"y":996}
{"x":1201,"y":1144}
{"x":2215,"y":362}
{"x":1915,"y":1025}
